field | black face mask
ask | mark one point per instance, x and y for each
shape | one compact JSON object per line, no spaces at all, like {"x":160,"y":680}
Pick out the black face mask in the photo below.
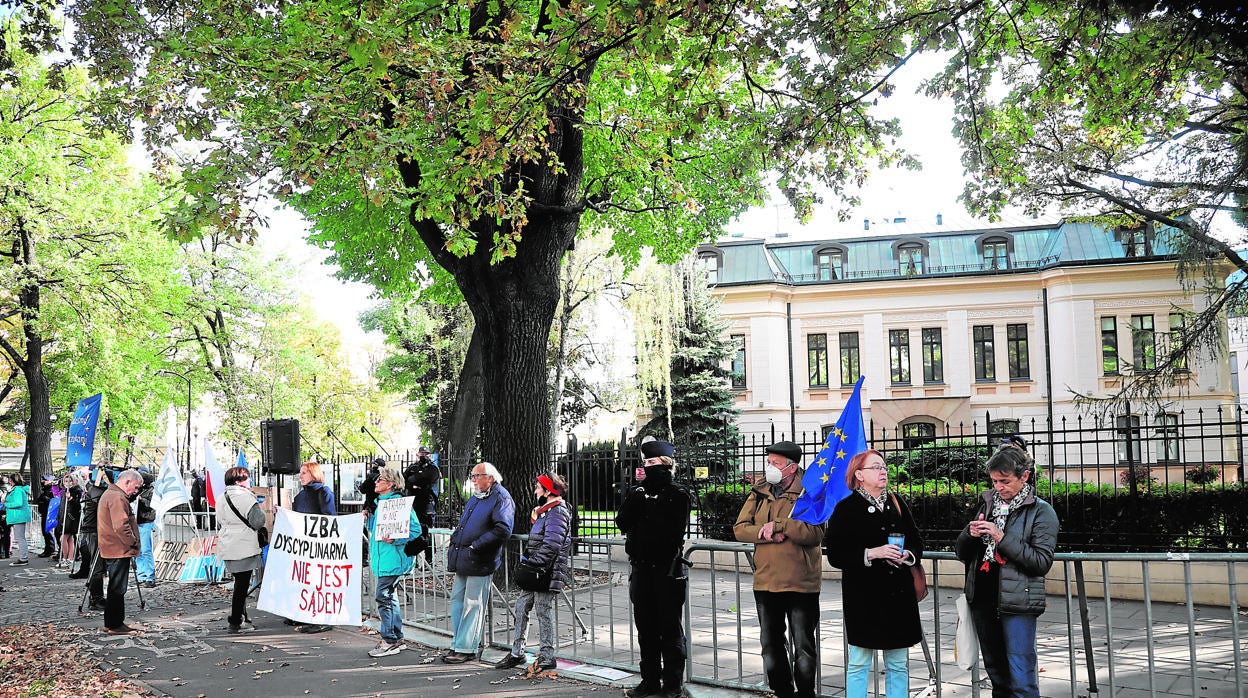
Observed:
{"x":542,"y":499}
{"x":657,"y":476}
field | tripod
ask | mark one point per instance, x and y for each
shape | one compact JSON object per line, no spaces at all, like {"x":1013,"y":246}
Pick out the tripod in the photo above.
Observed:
{"x":86,"y":588}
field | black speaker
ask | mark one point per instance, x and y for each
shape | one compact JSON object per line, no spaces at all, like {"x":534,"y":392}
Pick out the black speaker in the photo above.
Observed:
{"x":279,"y":446}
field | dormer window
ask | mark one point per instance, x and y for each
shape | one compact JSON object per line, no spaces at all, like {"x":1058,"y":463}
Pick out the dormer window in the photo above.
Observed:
{"x":1136,"y":242}
{"x":996,"y":250}
{"x":711,"y":260}
{"x":830,"y":263}
{"x":910,"y":258}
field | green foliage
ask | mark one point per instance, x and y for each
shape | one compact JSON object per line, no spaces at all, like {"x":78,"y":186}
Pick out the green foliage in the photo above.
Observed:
{"x":1105,"y":519}
{"x":719,"y":507}
{"x":1204,"y":474}
{"x":956,"y":461}
{"x":700,"y":408}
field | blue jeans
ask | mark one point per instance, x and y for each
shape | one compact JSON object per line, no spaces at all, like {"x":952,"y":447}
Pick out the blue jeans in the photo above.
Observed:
{"x":542,"y":604}
{"x":145,"y":562}
{"x":896,"y":672}
{"x":1008,"y":643}
{"x":468,"y":596}
{"x":388,"y":609}
{"x":800,"y":611}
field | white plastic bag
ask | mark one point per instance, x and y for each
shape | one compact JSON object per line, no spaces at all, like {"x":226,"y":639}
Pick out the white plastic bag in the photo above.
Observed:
{"x":965,"y":641}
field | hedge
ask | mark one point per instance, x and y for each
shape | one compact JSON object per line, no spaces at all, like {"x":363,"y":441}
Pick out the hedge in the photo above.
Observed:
{"x":1213,"y":519}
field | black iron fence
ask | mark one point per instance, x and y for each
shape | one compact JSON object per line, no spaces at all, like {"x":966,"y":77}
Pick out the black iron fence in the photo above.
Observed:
{"x":1170,"y":481}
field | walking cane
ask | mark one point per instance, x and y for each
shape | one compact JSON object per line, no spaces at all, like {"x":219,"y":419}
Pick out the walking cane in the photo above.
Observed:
{"x":134,"y":567}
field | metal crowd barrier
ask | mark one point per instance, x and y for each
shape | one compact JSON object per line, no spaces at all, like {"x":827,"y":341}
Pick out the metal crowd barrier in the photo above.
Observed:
{"x":1112,"y":625}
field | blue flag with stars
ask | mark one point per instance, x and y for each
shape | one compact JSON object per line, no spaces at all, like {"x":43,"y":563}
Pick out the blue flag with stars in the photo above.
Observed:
{"x":824,"y":482}
{"x":81,"y":442}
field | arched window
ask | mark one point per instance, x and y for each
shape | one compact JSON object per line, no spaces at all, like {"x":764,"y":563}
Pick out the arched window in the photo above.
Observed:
{"x":997,"y":250}
{"x":712,"y":260}
{"x":916,"y":434}
{"x":830,"y":263}
{"x":911,"y":254}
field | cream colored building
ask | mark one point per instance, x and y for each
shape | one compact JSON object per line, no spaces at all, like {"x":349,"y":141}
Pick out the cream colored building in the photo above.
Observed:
{"x":956,"y":329}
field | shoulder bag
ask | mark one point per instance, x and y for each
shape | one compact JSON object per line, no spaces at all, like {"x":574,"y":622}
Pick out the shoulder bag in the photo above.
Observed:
{"x":262,"y":533}
{"x":916,"y":570}
{"x":533,"y":577}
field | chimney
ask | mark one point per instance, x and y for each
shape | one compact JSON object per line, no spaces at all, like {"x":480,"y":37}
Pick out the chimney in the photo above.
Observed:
{"x":940,"y":220}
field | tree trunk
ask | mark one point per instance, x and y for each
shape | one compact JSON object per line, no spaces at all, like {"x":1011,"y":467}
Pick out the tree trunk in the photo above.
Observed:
{"x":561,"y":353}
{"x":38,"y":424}
{"x":465,"y":422}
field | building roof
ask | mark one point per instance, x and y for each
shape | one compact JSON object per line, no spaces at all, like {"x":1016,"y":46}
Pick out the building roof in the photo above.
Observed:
{"x":944,"y":253}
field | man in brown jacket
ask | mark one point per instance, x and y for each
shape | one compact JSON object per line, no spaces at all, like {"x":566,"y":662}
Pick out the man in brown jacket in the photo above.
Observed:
{"x":118,"y":533}
{"x":788,"y":572}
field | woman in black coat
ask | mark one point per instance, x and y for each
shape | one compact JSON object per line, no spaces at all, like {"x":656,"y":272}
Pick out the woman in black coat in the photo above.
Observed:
{"x":877,"y":587}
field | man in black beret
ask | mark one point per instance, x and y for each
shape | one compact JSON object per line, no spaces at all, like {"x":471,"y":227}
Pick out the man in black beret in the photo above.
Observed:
{"x":788,"y":573}
{"x":654,"y":517}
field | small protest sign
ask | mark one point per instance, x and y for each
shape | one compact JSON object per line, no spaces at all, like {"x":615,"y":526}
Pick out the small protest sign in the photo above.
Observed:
{"x":394,"y":518}
{"x":312,"y":573}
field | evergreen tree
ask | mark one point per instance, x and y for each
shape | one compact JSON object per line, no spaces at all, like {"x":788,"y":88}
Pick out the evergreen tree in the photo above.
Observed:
{"x":700,"y":408}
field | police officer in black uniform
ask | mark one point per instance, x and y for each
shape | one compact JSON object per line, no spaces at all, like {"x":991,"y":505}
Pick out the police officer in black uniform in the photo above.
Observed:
{"x":654,"y":517}
{"x":420,"y":479}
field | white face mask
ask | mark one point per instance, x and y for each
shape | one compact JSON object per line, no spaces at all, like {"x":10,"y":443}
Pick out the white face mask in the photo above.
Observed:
{"x":773,"y":474}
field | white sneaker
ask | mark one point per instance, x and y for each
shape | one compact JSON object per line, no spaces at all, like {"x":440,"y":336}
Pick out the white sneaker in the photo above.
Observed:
{"x":385,"y":649}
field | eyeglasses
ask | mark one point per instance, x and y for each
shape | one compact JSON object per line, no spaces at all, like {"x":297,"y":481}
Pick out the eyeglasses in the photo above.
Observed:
{"x":474,"y":476}
{"x":876,"y":467}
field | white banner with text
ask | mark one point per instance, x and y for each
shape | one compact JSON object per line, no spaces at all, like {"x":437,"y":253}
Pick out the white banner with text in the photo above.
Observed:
{"x":312,"y":573}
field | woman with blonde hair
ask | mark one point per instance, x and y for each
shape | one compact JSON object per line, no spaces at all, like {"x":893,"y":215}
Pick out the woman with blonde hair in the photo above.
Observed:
{"x":389,"y":561}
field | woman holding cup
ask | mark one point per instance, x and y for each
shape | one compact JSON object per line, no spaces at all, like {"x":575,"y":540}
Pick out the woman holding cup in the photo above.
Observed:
{"x":873,"y":540}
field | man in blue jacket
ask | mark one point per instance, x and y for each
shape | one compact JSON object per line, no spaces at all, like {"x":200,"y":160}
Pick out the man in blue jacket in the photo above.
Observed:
{"x":474,"y":554}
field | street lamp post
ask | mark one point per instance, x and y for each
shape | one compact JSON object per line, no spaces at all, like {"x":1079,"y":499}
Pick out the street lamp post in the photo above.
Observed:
{"x":188,"y":413}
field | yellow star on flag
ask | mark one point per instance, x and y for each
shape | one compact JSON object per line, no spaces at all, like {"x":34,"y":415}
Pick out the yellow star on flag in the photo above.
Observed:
{"x":825,"y":477}
{"x":840,"y":454}
{"x":822,"y":461}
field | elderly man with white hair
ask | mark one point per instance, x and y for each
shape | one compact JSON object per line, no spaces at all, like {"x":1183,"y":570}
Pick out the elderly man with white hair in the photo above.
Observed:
{"x":474,"y":554}
{"x":118,"y":533}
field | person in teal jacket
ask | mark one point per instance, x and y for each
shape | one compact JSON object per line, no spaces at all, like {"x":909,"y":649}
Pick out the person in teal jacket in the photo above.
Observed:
{"x":389,"y":562}
{"x":17,"y":508}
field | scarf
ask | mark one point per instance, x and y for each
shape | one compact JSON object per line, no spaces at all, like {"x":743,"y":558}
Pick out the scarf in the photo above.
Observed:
{"x":551,"y":503}
{"x":877,"y":501}
{"x":1001,"y":511}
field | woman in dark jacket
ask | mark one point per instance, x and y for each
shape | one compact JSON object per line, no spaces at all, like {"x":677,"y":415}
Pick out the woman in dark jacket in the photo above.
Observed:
{"x":877,"y":586}
{"x":314,"y":498}
{"x":68,"y":516}
{"x":550,"y":544}
{"x":1008,"y":549}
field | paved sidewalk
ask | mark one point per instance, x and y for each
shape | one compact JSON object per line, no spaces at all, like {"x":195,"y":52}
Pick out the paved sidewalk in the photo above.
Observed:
{"x":186,"y":651}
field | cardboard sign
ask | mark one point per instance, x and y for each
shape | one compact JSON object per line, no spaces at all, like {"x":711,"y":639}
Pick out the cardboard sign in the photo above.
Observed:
{"x":312,"y":573}
{"x":394,"y":518}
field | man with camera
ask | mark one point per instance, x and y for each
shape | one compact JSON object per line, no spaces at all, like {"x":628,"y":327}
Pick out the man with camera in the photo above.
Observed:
{"x":654,"y":517}
{"x":420,"y":479}
{"x":145,"y":566}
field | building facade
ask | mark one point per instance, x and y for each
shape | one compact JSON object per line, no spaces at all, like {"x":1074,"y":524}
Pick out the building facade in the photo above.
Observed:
{"x":984,"y":330}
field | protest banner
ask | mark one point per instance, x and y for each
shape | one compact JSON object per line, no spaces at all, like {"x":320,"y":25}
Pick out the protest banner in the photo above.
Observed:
{"x":394,"y":518}
{"x":312,"y":573}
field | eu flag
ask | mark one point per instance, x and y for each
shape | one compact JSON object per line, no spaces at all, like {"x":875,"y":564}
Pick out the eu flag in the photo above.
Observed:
{"x":81,"y":442}
{"x":824,"y":482}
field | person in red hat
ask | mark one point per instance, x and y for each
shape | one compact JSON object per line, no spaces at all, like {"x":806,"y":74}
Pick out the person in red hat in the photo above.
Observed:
{"x":549,"y":548}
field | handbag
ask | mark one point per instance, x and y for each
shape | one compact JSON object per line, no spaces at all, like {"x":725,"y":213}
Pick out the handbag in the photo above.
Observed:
{"x":965,"y":641}
{"x":532,"y":577}
{"x":262,"y":533}
{"x":916,"y":570}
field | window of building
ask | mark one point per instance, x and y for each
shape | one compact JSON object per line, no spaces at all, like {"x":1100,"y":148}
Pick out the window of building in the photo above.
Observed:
{"x":985,"y":354}
{"x":916,"y":434}
{"x":910,"y":259}
{"x":817,"y":359}
{"x":830,"y":263}
{"x":933,"y":364}
{"x":738,"y":361}
{"x":1109,"y":345}
{"x":996,"y":253}
{"x":849,"y":358}
{"x":710,"y":260}
{"x":1143,"y":343}
{"x":1016,"y":349}
{"x":1177,"y":324}
{"x":899,"y":356}
{"x":1128,"y":428}
{"x":1167,"y":438}
{"x":1137,"y":242}
{"x":1235,"y":375}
